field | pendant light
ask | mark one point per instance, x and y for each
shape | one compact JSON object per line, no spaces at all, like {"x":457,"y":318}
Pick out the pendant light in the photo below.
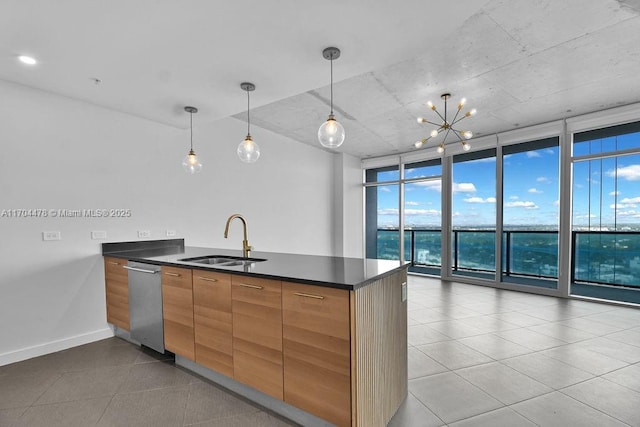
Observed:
{"x":191,"y":164}
{"x":331,"y":133}
{"x":248,"y":151}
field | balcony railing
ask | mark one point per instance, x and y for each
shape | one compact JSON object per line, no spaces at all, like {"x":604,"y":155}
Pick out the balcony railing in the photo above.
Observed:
{"x":599,"y":257}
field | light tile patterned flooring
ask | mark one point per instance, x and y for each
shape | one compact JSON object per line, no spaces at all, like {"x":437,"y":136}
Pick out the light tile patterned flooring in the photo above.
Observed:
{"x":477,"y":357}
{"x":481,"y":356}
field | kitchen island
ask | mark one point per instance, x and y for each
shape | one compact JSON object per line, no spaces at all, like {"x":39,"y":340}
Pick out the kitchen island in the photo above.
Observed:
{"x":320,"y":340}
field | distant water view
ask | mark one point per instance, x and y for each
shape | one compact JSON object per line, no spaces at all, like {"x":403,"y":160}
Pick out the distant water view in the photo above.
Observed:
{"x":600,"y":257}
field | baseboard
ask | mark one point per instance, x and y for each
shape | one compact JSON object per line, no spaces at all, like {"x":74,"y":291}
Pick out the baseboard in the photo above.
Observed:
{"x":53,"y":346}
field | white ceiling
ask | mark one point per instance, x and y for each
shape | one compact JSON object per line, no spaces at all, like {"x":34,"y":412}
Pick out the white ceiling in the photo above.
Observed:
{"x":519,"y":62}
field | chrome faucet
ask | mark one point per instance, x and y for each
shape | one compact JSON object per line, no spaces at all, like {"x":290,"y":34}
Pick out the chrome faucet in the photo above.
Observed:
{"x":246,"y":248}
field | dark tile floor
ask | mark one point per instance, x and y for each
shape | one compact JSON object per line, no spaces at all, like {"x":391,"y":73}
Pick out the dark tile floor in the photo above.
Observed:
{"x":114,"y":383}
{"x":477,"y":357}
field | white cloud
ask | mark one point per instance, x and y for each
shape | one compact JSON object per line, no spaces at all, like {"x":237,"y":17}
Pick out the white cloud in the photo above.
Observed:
{"x":434,"y":185}
{"x":623,"y":206}
{"x":631,"y":213}
{"x":422,"y":212}
{"x":535,"y":191}
{"x":521,"y":204}
{"x":630,"y":200}
{"x":543,"y":179}
{"x":513,"y":197}
{"x":480,"y":200}
{"x":385,"y":189}
{"x":550,"y":151}
{"x":615,"y":193}
{"x":630,"y":173}
{"x":388,"y":211}
{"x":532,"y":154}
{"x":412,"y":203}
{"x":464,"y":187}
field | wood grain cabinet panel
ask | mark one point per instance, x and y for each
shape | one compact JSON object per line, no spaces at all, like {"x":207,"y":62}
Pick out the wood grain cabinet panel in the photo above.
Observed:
{"x":117,"y":292}
{"x":177,"y":311}
{"x":257,"y":333}
{"x":213,"y":321}
{"x":317,"y":351}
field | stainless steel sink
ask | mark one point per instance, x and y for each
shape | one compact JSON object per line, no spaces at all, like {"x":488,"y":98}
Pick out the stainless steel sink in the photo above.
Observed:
{"x":222,"y":260}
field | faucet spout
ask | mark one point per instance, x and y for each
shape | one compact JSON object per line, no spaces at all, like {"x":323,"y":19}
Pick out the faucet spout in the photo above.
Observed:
{"x":246,"y":248}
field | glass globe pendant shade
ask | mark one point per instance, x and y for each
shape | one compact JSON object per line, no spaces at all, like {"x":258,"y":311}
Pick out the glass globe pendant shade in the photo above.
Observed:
{"x":248,"y":151}
{"x":331,"y":133}
{"x":191,"y":163}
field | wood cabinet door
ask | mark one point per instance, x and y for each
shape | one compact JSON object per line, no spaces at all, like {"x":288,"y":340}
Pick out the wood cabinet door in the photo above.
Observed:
{"x":213,"y":321}
{"x":117,"y":292}
{"x":177,"y":311}
{"x":317,"y":351}
{"x":257,"y":333}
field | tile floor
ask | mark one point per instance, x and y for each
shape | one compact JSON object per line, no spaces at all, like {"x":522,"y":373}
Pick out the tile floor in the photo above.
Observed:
{"x":477,"y":357}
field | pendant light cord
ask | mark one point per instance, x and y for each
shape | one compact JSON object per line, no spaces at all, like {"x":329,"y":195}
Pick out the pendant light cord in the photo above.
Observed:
{"x":331,"y":83}
{"x":248,"y":116}
{"x":191,"y":128}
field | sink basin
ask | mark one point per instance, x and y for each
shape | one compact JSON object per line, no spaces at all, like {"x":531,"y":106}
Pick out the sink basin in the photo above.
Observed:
{"x":222,"y":260}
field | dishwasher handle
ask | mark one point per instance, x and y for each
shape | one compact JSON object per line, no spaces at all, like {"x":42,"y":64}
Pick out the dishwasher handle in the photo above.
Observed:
{"x":140,"y":270}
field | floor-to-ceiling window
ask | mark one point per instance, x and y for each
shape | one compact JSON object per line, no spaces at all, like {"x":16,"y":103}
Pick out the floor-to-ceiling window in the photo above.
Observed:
{"x":473,"y":214}
{"x":552,"y":209}
{"x":530,"y":188}
{"x":606,"y":213}
{"x":382,"y":212}
{"x":423,"y":215}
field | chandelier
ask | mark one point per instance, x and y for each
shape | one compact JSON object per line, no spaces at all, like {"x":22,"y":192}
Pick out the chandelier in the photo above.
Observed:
{"x":447,"y":126}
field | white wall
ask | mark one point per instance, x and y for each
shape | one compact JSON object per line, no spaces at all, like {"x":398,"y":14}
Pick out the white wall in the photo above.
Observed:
{"x":348,"y":199}
{"x":59,"y":153}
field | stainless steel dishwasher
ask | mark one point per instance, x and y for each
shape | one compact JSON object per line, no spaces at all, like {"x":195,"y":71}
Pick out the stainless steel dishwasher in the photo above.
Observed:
{"x":145,"y":304}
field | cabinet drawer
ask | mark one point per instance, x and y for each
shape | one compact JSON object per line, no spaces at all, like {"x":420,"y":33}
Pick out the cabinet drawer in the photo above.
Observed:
{"x":177,"y":311}
{"x":257,"y":333}
{"x":317,"y":350}
{"x":213,"y":321}
{"x":113,"y":267}
{"x":117,"y":292}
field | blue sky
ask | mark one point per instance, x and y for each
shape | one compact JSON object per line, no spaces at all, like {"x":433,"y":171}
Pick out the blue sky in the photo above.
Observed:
{"x":604,"y":190}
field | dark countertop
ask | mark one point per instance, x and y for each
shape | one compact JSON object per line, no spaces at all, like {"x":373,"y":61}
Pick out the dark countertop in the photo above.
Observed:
{"x":335,"y":272}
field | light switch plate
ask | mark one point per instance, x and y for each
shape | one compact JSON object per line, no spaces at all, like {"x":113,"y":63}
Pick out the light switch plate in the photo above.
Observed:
{"x":143,"y":234}
{"x":51,"y":235}
{"x":98,"y":235}
{"x":171,"y":233}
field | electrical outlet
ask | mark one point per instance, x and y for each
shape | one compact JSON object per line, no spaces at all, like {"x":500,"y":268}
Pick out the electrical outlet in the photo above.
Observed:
{"x":98,"y":235}
{"x":171,"y":233}
{"x":51,"y":235}
{"x":143,"y":234}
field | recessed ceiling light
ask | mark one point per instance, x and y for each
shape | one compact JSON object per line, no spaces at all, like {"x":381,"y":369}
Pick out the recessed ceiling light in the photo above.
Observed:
{"x":27,"y":60}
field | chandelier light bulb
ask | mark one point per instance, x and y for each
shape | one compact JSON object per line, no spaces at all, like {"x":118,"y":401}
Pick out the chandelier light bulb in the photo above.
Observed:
{"x":466,"y":146}
{"x":471,"y":113}
{"x":420,"y":120}
{"x":467,"y":134}
{"x":434,"y":133}
{"x":248,"y":151}
{"x":440,"y":148}
{"x":430,"y":105}
{"x":418,"y":144}
{"x":462,"y":102}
